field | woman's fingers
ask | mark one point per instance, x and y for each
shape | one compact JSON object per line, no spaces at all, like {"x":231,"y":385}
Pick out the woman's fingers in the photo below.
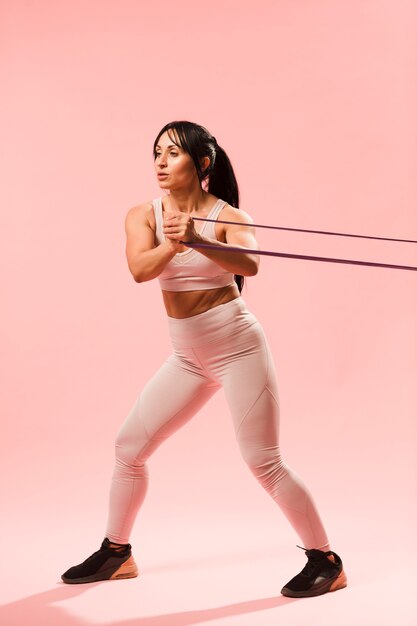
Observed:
{"x":177,"y":225}
{"x":173,"y":232}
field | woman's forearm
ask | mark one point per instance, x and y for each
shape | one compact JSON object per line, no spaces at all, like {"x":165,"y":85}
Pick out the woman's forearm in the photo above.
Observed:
{"x":150,"y":263}
{"x":244,"y":264}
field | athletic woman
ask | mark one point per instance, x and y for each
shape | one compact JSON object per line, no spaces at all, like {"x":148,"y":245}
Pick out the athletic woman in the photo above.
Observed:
{"x":217,"y":342}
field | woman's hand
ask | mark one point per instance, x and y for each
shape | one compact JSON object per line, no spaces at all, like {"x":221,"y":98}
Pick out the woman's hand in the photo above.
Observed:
{"x":178,"y":226}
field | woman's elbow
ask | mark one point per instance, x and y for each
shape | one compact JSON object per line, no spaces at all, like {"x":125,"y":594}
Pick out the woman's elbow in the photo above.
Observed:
{"x":137,"y":276}
{"x":141,"y":277}
{"x":254,"y":265}
{"x":252,"y":270}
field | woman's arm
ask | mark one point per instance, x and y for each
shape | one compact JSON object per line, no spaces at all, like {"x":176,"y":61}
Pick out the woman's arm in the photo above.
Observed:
{"x":236,"y":236}
{"x":145,"y":261}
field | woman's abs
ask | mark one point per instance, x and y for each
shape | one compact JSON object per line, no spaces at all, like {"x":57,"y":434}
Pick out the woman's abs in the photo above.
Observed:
{"x":181,"y":304}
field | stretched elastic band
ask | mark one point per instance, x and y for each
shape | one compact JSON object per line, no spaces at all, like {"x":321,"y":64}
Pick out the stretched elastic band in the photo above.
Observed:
{"x":299,"y":256}
{"x":305,"y":230}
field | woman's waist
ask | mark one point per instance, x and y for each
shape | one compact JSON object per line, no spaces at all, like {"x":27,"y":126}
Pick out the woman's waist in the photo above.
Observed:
{"x":185,"y":304}
{"x":220,"y":320}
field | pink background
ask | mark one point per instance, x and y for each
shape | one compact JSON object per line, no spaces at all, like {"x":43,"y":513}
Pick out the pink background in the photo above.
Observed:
{"x":314,"y":102}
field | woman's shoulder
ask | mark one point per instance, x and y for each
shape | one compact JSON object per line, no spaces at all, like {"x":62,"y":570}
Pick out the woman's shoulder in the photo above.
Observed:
{"x":141,"y":214}
{"x":230,"y":213}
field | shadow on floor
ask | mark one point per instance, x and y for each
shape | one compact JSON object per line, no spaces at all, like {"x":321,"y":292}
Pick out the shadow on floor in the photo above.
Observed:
{"x":39,"y":610}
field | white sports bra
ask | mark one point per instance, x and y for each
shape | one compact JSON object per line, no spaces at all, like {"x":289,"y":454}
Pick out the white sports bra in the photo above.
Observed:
{"x":190,"y":270}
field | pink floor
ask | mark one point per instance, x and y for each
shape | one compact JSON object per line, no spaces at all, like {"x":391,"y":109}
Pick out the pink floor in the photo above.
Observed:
{"x":208,"y":572}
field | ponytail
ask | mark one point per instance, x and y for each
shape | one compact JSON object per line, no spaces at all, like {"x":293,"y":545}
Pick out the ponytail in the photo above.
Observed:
{"x":223,"y":184}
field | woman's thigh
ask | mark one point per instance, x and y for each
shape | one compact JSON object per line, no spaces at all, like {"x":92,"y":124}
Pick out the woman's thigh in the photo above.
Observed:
{"x":244,"y":365}
{"x":168,"y":401}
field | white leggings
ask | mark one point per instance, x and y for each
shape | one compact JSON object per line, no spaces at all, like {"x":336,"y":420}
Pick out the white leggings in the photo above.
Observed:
{"x":222,"y":347}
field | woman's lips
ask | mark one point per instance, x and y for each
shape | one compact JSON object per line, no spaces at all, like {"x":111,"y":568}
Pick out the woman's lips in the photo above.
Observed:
{"x":162,"y":175}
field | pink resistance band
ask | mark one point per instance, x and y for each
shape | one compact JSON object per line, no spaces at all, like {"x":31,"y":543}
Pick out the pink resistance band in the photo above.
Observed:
{"x":301,"y":256}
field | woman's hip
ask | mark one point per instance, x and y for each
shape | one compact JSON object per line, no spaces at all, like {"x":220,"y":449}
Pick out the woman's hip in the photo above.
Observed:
{"x":221,"y":322}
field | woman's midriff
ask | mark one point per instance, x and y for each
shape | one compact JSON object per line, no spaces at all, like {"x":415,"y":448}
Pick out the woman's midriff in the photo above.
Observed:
{"x":181,"y":304}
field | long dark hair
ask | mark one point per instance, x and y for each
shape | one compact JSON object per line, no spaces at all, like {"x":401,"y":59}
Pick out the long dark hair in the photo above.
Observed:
{"x":219,"y":176}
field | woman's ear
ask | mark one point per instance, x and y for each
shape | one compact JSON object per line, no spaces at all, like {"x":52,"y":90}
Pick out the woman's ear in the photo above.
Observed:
{"x":204,"y":163}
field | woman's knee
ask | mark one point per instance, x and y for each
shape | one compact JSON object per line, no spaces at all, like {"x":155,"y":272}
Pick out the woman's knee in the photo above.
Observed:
{"x":265,"y":463}
{"x":130,"y":445}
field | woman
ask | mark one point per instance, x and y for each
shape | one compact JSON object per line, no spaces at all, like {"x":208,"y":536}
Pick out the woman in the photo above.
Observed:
{"x":216,"y":343}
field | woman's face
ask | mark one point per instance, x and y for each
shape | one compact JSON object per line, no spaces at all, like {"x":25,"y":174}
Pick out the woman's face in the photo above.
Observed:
{"x":174,"y":168}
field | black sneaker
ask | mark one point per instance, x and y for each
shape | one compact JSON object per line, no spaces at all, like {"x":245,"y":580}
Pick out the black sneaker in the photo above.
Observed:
{"x":323,"y":572}
{"x":105,"y":564}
